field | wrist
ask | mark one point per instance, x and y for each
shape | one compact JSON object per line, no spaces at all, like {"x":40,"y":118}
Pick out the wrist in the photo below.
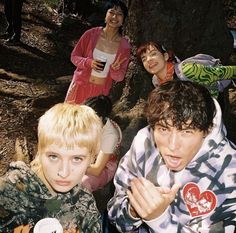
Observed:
{"x":133,"y":213}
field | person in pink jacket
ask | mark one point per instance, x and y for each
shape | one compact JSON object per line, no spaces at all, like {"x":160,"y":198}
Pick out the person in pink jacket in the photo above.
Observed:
{"x":100,"y":56}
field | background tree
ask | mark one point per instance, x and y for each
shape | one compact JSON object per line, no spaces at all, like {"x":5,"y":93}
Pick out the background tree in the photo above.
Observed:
{"x":186,"y":27}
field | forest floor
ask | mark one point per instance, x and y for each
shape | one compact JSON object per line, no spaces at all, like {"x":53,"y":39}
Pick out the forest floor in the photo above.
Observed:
{"x":36,"y":75}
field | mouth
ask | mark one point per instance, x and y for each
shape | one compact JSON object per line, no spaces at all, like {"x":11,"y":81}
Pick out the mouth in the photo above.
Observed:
{"x":62,"y":182}
{"x":173,"y":162}
{"x":152,"y":66}
{"x":114,"y":22}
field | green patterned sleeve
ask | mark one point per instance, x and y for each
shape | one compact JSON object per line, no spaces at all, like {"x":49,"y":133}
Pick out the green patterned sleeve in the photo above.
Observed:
{"x":207,"y":75}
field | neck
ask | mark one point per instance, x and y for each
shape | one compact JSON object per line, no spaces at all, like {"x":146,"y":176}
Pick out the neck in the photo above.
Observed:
{"x":111,"y":34}
{"x":43,"y":179}
{"x":161,"y":75}
{"x":166,"y":74}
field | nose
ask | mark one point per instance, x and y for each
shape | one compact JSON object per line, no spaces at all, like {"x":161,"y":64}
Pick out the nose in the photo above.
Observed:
{"x":64,"y":171}
{"x":114,"y":15}
{"x":148,"y":58}
{"x":173,"y":141}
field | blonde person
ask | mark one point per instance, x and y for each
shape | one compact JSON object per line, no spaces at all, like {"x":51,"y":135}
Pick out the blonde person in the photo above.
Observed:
{"x":104,"y":167}
{"x":48,"y":193}
{"x":201,"y":68}
{"x":101,"y":56}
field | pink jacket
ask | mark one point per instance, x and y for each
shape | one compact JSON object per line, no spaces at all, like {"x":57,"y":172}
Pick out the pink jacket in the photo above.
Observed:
{"x":82,"y":56}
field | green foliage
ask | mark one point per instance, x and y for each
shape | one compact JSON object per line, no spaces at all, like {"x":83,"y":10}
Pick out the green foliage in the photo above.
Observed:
{"x":51,"y":2}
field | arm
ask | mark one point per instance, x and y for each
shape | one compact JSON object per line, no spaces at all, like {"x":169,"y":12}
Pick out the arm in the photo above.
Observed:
{"x":79,"y":55}
{"x":119,"y":67}
{"x":17,"y":198}
{"x":92,"y":218}
{"x":111,"y":136}
{"x":96,"y":168}
{"x":208,"y":75}
{"x":118,"y":206}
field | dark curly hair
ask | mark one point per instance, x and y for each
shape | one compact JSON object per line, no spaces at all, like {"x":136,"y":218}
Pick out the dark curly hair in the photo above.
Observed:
{"x":181,"y":103}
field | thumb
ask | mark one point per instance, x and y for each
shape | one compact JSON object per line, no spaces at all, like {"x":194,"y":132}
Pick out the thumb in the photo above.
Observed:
{"x":175,"y":188}
{"x":171,"y":195}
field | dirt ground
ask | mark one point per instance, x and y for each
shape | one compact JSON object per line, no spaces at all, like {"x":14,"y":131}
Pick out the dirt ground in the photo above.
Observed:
{"x":36,"y":75}
{"x":33,"y":76}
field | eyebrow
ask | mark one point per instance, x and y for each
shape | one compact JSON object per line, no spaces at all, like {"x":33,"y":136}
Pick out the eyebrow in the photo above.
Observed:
{"x":162,"y":125}
{"x":118,"y":11}
{"x":73,"y":155}
{"x":147,"y":50}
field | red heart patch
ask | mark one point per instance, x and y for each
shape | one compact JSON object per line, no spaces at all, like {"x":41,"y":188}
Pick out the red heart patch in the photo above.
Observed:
{"x":198,"y":203}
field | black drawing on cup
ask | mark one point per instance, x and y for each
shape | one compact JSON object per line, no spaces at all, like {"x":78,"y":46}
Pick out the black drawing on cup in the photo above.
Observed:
{"x":102,"y":60}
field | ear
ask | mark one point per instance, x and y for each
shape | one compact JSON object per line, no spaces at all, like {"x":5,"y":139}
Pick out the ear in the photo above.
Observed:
{"x":92,"y":159}
{"x":207,"y":132}
{"x":166,"y":56}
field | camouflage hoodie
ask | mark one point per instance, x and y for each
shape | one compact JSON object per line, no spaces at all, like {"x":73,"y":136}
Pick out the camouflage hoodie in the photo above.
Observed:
{"x":28,"y":200}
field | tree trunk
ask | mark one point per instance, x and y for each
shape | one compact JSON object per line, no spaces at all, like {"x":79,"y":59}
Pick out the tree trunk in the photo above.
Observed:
{"x":186,"y":27}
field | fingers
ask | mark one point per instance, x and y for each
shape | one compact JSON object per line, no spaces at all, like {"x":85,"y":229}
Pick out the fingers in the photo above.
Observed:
{"x":148,"y":200}
{"x":22,"y":229}
{"x":26,"y":229}
{"x":18,"y":229}
{"x":71,"y":230}
{"x":116,"y":65}
{"x":123,"y":60}
{"x":97,"y":65}
{"x":144,"y":197}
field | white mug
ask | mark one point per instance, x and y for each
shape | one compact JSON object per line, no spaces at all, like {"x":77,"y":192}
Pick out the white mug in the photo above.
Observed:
{"x":48,"y":225}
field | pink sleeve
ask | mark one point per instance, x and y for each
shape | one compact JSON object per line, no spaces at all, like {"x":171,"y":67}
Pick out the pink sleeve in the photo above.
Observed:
{"x":79,"y":55}
{"x":124,"y":50}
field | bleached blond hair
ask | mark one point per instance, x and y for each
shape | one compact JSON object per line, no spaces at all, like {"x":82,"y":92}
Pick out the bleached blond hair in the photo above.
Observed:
{"x":69,"y":125}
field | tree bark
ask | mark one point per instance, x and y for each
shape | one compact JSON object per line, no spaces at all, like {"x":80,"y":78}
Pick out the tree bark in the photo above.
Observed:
{"x":186,"y":27}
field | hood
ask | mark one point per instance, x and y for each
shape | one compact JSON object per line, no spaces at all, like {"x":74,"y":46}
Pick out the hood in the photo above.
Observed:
{"x":213,"y":139}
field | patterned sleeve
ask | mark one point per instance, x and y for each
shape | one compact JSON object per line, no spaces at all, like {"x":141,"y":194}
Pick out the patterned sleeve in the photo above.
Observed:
{"x":118,"y":206}
{"x":92,"y":218}
{"x":208,"y":75}
{"x":18,"y":205}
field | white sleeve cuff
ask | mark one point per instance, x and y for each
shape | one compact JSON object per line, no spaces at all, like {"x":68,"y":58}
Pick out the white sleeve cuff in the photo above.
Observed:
{"x":155,"y":223}
{"x":135,"y":218}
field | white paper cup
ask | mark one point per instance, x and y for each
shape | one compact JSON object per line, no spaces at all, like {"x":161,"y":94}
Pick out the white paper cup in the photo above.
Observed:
{"x":48,"y":225}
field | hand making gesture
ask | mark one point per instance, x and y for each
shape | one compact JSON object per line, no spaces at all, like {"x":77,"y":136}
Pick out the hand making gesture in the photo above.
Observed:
{"x":148,"y":201}
{"x":116,"y":65}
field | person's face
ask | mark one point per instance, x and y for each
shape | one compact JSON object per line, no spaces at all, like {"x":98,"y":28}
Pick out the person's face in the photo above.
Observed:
{"x":64,"y":168}
{"x":114,"y":17}
{"x":154,"y":61}
{"x":177,"y":147}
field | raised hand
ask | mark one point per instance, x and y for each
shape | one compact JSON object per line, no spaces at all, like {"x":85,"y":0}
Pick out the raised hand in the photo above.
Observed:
{"x":117,"y":63}
{"x":148,"y":201}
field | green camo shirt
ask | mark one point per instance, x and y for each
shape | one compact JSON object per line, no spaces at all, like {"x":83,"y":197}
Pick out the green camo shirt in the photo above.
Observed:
{"x":28,"y":200}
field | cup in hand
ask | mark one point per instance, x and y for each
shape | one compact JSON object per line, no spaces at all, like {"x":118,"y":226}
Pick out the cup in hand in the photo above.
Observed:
{"x":48,"y":225}
{"x":103,"y":61}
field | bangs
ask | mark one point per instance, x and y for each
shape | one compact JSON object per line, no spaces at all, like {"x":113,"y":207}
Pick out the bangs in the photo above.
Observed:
{"x":70,"y":126}
{"x":88,"y":138}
